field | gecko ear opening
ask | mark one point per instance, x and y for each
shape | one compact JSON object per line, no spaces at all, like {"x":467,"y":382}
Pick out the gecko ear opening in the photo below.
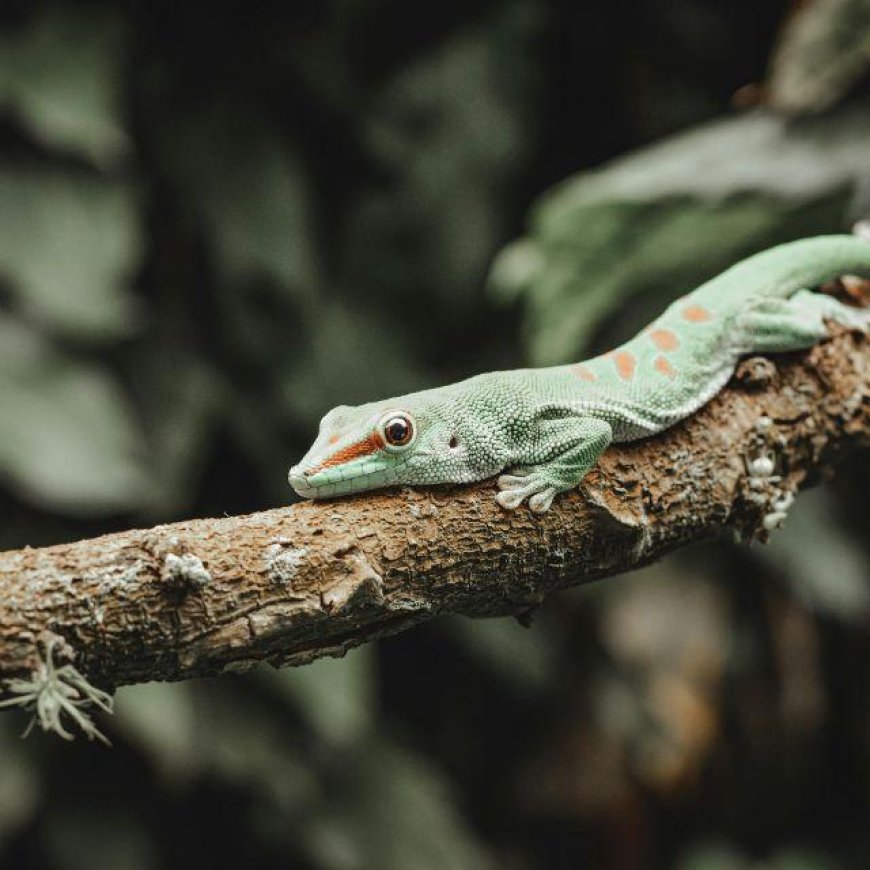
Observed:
{"x":454,"y":442}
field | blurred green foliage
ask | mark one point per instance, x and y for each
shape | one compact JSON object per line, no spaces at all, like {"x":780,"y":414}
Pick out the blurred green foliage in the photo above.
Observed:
{"x":215,"y":226}
{"x":635,"y":227}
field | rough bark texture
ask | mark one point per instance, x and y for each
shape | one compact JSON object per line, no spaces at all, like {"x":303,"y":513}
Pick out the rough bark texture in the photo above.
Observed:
{"x":314,"y":579}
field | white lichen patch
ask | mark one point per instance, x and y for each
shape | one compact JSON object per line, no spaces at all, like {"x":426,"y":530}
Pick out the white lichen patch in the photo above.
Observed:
{"x":283,"y":563}
{"x":779,"y":511}
{"x":114,"y":578}
{"x":761,"y":466}
{"x":766,"y":489}
{"x":186,"y":570}
{"x":53,"y":691}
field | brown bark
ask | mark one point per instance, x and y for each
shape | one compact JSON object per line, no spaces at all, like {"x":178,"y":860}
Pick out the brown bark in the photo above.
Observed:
{"x":314,"y":579}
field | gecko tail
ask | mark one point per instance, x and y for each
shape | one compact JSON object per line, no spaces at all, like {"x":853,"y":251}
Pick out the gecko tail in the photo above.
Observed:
{"x":780,"y":272}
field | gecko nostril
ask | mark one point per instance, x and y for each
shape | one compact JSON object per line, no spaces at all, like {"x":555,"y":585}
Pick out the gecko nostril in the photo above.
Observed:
{"x":454,"y":442}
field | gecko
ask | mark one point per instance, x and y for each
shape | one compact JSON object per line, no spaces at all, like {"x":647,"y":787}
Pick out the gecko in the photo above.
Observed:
{"x":543,"y":429}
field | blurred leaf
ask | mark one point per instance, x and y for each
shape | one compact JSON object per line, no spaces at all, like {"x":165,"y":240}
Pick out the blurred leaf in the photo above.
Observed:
{"x":248,"y":188}
{"x":801,"y":858}
{"x":387,"y":810}
{"x":395,"y":813}
{"x":67,"y":437}
{"x":61,"y":75}
{"x":823,"y":51}
{"x":351,"y":351}
{"x":161,"y":719}
{"x":206,"y":727}
{"x":523,"y":658}
{"x":68,"y":244}
{"x":714,"y":856}
{"x":181,"y":397}
{"x":669,"y":642}
{"x":825,"y":567}
{"x":77,"y":837}
{"x":20,"y":787}
{"x":668,"y":617}
{"x":449,"y":129}
{"x":721,"y":856}
{"x":672,"y":215}
{"x":336,"y":696}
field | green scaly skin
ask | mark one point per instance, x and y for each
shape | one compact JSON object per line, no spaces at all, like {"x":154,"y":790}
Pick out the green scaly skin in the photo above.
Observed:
{"x":549,"y":426}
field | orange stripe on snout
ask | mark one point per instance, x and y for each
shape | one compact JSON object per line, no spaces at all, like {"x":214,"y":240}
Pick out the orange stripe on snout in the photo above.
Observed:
{"x":366,"y":447}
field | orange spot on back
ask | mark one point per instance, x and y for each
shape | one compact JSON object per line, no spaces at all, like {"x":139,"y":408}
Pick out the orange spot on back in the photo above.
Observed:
{"x":584,"y":373}
{"x":333,"y":439}
{"x":625,"y":364}
{"x":665,"y":339}
{"x":696,"y":314}
{"x":365,"y":447}
{"x":662,"y":366}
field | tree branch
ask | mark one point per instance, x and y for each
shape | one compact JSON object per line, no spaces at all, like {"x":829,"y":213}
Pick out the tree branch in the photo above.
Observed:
{"x":290,"y":585}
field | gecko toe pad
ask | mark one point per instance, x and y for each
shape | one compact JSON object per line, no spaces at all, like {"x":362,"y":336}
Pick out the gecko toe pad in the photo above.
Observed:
{"x":520,"y":485}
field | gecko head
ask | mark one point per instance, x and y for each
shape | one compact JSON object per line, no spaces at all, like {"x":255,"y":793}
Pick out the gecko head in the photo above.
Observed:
{"x":416,"y":439}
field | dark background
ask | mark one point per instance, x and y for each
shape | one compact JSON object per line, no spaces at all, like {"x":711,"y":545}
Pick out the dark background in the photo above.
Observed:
{"x":218,"y":221}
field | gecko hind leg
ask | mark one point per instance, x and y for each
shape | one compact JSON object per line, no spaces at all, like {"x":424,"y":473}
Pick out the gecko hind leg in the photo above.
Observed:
{"x":775,"y":325}
{"x":569,"y":448}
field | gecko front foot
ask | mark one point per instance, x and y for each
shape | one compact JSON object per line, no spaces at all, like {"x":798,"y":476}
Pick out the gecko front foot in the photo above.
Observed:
{"x":524,"y":484}
{"x":571,"y":446}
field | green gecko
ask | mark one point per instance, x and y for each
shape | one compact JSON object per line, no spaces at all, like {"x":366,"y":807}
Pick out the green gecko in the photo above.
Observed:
{"x":547,"y":427}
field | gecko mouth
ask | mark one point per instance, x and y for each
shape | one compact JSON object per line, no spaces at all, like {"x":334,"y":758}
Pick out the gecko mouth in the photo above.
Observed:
{"x":368,"y":473}
{"x":299,"y":482}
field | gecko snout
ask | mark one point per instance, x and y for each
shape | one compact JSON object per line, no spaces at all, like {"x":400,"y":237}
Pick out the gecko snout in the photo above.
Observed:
{"x":298,"y":479}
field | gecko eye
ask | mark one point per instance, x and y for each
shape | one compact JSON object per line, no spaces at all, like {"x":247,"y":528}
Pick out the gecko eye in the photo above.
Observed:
{"x":398,"y":430}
